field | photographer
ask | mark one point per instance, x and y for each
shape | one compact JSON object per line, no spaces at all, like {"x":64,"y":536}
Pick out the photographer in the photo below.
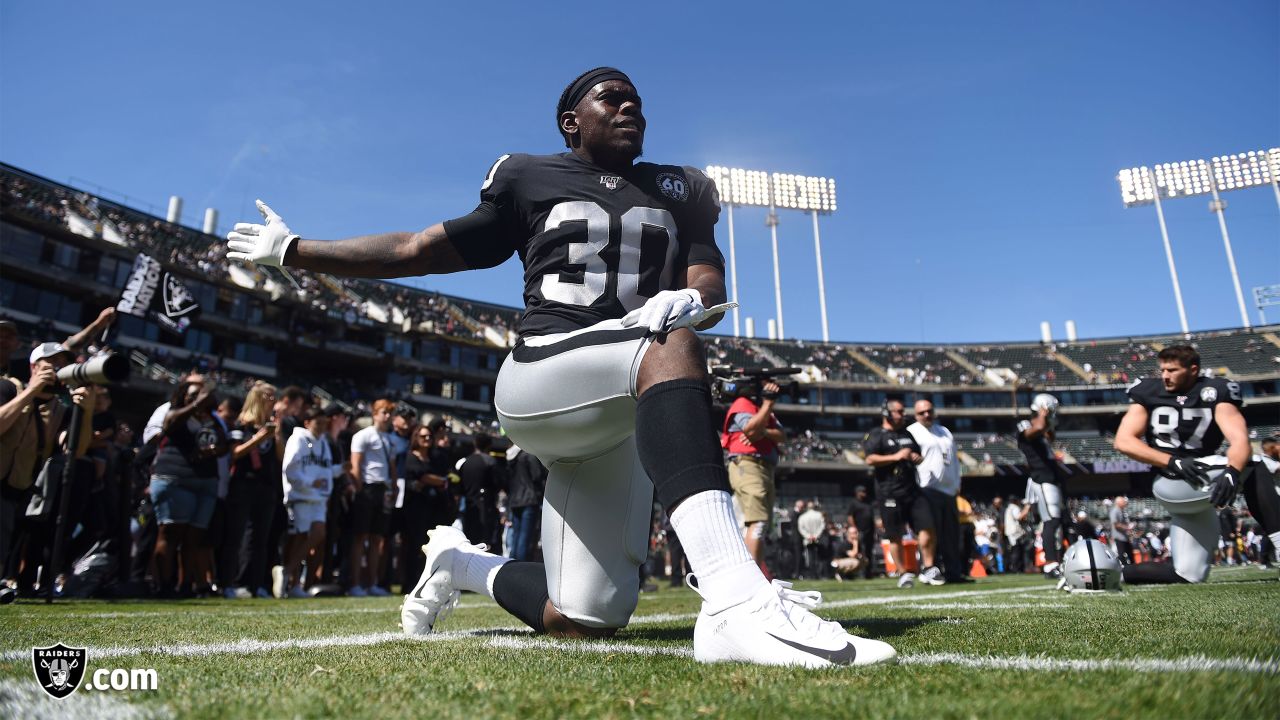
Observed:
{"x":32,"y":421}
{"x":184,"y":486}
{"x":752,"y":436}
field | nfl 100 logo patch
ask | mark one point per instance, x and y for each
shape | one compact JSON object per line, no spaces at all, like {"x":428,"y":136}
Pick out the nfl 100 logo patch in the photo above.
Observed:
{"x":59,"y":669}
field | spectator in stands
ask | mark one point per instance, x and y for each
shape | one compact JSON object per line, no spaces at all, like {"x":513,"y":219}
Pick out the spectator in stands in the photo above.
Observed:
{"x":184,"y":486}
{"x":849,"y":559}
{"x":752,"y":436}
{"x":404,"y":423}
{"x":9,"y":344}
{"x":337,"y":538}
{"x":526,"y":480}
{"x":1120,"y":529}
{"x":372,"y":470}
{"x":1017,"y":531}
{"x":812,"y":525}
{"x":480,"y":484}
{"x":425,"y":499}
{"x":308,"y":471}
{"x":938,"y":475}
{"x":1083,"y":527}
{"x":256,"y":449}
{"x":967,"y":520}
{"x":1001,"y":543}
{"x":861,"y":516}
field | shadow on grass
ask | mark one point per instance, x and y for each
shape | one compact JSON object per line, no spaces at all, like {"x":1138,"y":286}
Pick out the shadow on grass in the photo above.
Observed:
{"x":877,"y":628}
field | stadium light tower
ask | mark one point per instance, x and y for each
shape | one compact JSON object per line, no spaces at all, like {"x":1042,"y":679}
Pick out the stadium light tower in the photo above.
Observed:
{"x":1143,"y":185}
{"x":816,"y":195}
{"x":1264,"y":297}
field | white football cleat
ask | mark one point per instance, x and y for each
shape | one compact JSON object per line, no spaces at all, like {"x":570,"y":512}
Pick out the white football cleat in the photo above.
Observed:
{"x":775,"y":627}
{"x":434,"y":597}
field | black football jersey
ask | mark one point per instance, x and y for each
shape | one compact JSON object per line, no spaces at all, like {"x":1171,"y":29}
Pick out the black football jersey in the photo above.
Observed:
{"x":1041,"y":462}
{"x":595,"y":244}
{"x":898,"y":479}
{"x":1182,"y":424}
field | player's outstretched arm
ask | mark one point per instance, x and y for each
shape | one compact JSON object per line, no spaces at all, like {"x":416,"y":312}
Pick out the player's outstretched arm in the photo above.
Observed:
{"x":387,"y":255}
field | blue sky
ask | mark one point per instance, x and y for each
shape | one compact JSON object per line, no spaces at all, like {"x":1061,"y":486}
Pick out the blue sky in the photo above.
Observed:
{"x":975,"y":146}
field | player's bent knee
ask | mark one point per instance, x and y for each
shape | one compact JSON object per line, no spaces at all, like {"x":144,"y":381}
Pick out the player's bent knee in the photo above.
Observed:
{"x":678,"y":355}
{"x":558,"y":624}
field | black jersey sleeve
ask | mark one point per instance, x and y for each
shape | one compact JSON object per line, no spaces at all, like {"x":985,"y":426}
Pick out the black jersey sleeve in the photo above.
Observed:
{"x":701,"y":247}
{"x":1143,"y":391}
{"x":489,"y":234}
{"x":873,"y":442}
{"x":1224,"y":391}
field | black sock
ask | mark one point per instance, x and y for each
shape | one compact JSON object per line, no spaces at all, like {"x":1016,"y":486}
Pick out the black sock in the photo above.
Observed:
{"x":677,"y":443}
{"x":1051,"y":541}
{"x":1151,"y":573}
{"x":1260,"y":494}
{"x":520,"y":588}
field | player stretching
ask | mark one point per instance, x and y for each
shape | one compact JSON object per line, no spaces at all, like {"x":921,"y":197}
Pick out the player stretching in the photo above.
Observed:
{"x":1176,"y":423}
{"x":606,"y":385}
{"x":1046,"y":476}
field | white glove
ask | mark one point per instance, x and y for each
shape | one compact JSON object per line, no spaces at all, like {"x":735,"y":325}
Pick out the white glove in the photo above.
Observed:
{"x":664,"y":310}
{"x":261,"y":244}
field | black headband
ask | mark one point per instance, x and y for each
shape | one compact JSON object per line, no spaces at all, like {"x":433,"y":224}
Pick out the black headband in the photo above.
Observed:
{"x":575,"y":92}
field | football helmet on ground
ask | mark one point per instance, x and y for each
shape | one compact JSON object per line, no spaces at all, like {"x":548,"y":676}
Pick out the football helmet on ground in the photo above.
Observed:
{"x":1091,"y":567}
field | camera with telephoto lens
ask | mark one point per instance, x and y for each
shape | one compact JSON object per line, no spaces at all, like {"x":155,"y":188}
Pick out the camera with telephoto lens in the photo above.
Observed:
{"x":731,"y":383}
{"x":104,"y":369}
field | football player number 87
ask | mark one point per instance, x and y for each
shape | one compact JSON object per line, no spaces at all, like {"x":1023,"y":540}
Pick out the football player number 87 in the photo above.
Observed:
{"x":1164,"y":426}
{"x":595,"y":272}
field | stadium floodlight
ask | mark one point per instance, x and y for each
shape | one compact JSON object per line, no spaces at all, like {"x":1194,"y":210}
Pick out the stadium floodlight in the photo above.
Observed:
{"x":1138,"y":185}
{"x":787,"y":191}
{"x":1265,"y":296}
{"x":1144,"y":185}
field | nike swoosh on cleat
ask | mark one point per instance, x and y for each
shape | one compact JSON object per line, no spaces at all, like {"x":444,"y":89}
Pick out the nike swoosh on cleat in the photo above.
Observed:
{"x":423,"y":585}
{"x":843,"y":656}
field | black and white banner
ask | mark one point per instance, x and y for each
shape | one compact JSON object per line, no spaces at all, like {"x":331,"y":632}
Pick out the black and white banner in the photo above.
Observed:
{"x":153,"y":292}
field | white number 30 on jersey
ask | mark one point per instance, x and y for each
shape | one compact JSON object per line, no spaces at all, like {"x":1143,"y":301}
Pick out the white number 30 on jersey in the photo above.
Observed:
{"x":596,"y":271}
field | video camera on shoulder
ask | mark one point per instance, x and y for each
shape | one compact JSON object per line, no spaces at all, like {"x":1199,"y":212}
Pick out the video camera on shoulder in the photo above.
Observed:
{"x":730,"y":383}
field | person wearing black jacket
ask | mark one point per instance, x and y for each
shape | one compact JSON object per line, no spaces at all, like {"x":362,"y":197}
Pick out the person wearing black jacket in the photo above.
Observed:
{"x":426,"y":498}
{"x":526,"y":479}
{"x":862,"y":516}
{"x":480,"y":485}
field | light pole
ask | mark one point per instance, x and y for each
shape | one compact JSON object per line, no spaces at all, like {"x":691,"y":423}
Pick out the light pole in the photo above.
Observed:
{"x":733,"y":274}
{"x":776,"y":191}
{"x":1145,"y":185}
{"x":772,"y":221}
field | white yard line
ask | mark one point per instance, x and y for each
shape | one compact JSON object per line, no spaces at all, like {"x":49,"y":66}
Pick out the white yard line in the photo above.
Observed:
{"x":1198,"y":663}
{"x":517,"y":639}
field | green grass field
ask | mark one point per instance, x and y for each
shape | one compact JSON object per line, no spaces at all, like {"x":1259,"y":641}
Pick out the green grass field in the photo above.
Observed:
{"x":1004,"y":647}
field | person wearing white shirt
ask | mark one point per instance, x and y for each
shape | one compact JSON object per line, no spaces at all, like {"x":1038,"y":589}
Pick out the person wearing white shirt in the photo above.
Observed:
{"x":308,"y":473}
{"x":373,"y":469}
{"x":938,"y":475}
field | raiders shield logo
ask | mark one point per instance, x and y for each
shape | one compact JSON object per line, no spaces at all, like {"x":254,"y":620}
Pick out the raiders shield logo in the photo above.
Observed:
{"x":673,"y":186}
{"x":59,"y":669}
{"x":1208,"y":394}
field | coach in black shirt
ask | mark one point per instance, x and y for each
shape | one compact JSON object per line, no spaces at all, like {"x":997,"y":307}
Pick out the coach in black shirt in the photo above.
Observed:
{"x":894,"y":453}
